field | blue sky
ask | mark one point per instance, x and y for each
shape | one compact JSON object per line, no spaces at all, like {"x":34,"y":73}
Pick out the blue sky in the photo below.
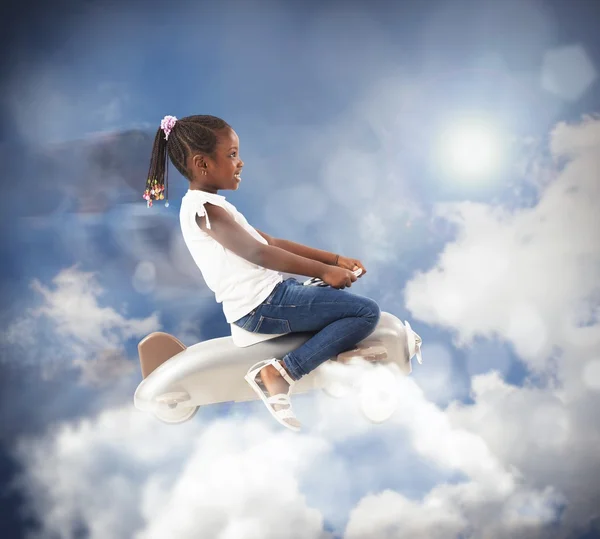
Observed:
{"x":339,"y":107}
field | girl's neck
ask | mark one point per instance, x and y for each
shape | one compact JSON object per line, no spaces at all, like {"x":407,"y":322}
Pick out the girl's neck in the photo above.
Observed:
{"x":204,"y":188}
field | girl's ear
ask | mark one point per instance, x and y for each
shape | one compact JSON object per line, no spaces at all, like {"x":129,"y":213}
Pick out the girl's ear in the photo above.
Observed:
{"x":198,"y":161}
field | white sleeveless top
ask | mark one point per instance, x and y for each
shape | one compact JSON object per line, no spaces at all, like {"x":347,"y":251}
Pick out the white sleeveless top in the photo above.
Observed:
{"x":237,"y":283}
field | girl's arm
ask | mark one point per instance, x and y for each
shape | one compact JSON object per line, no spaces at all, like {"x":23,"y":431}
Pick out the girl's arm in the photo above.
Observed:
{"x":301,"y":250}
{"x":232,"y":236}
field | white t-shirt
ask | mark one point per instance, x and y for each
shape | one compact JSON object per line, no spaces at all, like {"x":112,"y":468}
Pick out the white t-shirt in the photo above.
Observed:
{"x":237,"y":283}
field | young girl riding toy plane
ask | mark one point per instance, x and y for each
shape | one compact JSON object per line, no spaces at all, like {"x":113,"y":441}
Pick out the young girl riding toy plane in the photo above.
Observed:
{"x":243,"y":267}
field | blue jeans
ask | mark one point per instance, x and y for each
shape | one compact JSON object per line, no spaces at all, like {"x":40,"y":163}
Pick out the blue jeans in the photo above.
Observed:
{"x":340,"y":319}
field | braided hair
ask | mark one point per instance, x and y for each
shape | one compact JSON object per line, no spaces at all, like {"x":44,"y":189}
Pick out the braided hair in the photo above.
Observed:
{"x":177,"y":139}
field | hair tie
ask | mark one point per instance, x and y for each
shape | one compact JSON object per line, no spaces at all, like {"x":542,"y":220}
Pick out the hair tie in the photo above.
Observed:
{"x":167,"y":124}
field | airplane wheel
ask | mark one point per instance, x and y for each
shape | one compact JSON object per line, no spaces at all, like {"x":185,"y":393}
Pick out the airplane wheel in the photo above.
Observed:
{"x":178,"y":414}
{"x":336,"y":389}
{"x":378,"y":397}
{"x":172,"y":408}
{"x":334,"y":380}
{"x":378,"y":408}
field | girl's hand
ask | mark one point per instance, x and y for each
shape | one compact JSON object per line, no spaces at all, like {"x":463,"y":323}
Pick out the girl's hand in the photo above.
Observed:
{"x":337,"y":277}
{"x":352,"y":264}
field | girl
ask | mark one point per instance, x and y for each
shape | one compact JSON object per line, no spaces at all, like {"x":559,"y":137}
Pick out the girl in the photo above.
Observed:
{"x":242,"y":265}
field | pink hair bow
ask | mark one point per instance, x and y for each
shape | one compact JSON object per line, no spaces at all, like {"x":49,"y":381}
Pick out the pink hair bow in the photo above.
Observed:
{"x":167,"y":124}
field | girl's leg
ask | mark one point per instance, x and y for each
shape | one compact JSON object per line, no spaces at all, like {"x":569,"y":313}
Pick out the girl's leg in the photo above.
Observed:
{"x":340,"y":319}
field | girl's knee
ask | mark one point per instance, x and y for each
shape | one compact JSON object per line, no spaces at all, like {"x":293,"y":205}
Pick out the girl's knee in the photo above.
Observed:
{"x":371,"y":311}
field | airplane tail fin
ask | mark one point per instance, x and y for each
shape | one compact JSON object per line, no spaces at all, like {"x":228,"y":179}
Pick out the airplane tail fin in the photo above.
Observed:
{"x":157,"y":348}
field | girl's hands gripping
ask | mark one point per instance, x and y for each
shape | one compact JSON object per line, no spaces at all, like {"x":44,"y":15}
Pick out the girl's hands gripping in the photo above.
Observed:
{"x":351,"y":263}
{"x":337,"y":277}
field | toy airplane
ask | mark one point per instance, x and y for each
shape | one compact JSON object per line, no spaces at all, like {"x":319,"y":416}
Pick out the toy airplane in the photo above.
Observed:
{"x":178,"y":380}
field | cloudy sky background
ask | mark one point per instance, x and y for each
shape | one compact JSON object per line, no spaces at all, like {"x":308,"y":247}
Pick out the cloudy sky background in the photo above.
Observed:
{"x":339,"y":108}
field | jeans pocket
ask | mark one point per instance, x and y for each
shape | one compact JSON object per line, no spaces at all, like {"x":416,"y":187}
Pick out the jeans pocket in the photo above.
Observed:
{"x":272,"y":326}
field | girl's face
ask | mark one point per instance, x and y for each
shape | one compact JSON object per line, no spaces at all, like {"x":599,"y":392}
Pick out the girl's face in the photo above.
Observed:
{"x":223,"y":168}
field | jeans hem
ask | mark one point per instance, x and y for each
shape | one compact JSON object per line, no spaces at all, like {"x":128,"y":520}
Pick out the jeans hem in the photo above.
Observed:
{"x":291,"y":366}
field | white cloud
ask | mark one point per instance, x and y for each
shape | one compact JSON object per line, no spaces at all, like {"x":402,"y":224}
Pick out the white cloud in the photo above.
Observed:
{"x":530,"y":277}
{"x":527,"y":275}
{"x":125,"y":475}
{"x":71,"y":327}
{"x":551,"y":440}
{"x":453,"y":511}
{"x":73,"y":305}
